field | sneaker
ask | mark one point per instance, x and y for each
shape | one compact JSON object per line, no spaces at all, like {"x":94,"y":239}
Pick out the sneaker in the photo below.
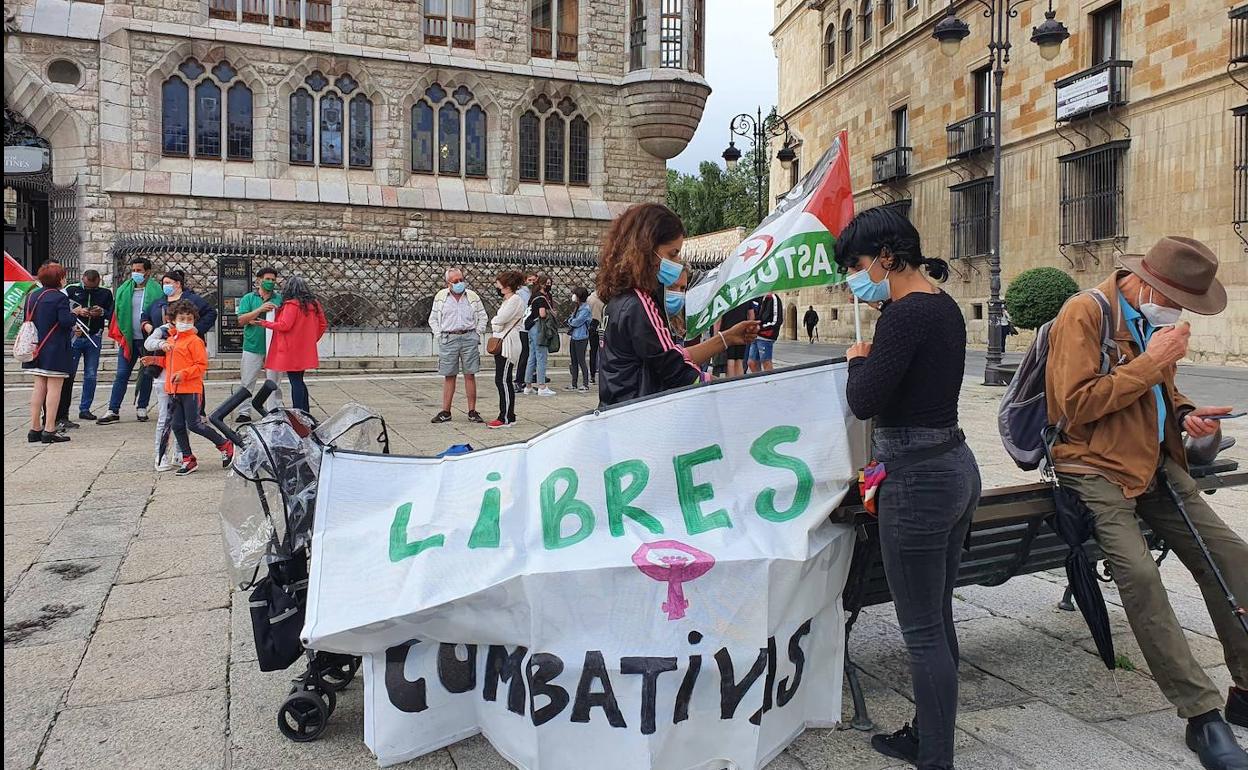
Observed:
{"x":572,"y":388}
{"x":87,"y":417}
{"x":475,"y":416}
{"x":227,"y":453}
{"x":499,"y":424}
{"x":53,"y":438}
{"x":64,"y":425}
{"x":109,"y":418}
{"x":140,"y":415}
{"x":529,"y":392}
{"x":903,"y":744}
{"x":441,"y":417}
{"x":242,"y":419}
{"x":583,"y":389}
{"x":166,"y":467}
{"x":545,"y":392}
{"x":1237,"y":706}
{"x":592,"y":382}
{"x":189,"y":466}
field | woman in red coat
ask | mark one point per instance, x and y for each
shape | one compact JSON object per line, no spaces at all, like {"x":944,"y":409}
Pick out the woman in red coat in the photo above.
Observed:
{"x":299,"y":325}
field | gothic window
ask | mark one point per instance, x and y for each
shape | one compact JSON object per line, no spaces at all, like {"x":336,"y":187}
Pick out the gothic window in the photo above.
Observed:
{"x":451,"y":126}
{"x":328,"y":126}
{"x":211,"y":118}
{"x":554,"y":143}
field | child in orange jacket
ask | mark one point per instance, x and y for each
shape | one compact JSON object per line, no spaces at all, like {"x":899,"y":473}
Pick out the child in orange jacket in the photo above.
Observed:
{"x":186,"y":362}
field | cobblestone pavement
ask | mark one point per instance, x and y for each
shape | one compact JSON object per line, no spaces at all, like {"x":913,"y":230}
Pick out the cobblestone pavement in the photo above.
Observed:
{"x":124,"y":647}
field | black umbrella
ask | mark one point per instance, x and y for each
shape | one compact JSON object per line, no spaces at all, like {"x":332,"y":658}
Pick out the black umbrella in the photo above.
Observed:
{"x":1073,"y":522}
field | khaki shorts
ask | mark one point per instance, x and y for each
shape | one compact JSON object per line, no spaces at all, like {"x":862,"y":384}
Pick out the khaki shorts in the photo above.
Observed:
{"x":459,"y":353}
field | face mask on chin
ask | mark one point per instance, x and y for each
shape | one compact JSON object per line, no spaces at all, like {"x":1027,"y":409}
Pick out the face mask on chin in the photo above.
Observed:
{"x":1157,"y":315}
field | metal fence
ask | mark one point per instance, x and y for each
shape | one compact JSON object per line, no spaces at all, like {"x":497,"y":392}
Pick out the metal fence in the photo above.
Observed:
{"x":375,"y":285}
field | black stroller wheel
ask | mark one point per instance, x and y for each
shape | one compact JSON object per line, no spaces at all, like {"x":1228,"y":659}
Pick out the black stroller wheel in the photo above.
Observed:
{"x":303,"y":717}
{"x":339,"y":673}
{"x":326,"y":694}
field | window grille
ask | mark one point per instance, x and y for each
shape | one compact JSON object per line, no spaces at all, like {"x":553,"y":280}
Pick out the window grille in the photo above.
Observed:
{"x":1093,"y":201}
{"x":672,"y":35}
{"x":970,"y":218}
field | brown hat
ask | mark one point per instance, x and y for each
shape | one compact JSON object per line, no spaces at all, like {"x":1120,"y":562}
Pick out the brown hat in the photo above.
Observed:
{"x":1182,"y":269}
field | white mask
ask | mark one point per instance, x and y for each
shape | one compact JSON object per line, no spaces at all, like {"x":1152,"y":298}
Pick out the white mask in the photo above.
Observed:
{"x":184,"y":326}
{"x":1158,"y":315}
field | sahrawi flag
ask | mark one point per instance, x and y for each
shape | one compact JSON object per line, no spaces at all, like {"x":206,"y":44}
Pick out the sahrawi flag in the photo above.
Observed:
{"x":791,"y":249}
{"x":17,"y":283}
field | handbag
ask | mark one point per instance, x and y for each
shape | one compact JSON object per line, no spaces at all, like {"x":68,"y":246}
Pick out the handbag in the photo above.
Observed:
{"x":494,"y":345}
{"x":871,"y":476}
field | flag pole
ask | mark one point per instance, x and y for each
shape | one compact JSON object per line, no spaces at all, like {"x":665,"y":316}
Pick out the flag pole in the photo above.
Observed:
{"x":857,"y":320}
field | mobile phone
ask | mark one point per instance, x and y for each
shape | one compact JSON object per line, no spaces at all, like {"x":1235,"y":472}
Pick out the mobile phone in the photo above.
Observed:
{"x":1231,"y":416}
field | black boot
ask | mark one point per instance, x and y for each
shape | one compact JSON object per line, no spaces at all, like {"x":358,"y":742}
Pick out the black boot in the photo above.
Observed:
{"x":1214,"y":743}
{"x":1237,"y":707}
{"x":903,"y":744}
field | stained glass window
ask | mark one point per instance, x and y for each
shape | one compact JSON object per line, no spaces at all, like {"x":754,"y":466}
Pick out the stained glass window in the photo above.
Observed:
{"x":422,"y":138}
{"x":554,"y":148}
{"x":542,"y":104}
{"x":578,"y":151}
{"x":474,"y":141}
{"x":436,"y":93}
{"x":302,"y":127}
{"x":567,"y":106}
{"x":175,"y":117}
{"x":331,"y":130}
{"x":530,"y":147}
{"x":223,"y":72}
{"x":361,"y":132}
{"x":463,"y":96}
{"x":208,"y":120}
{"x":238,"y":122}
{"x":316,"y":81}
{"x":346,"y":84}
{"x":192,"y":69}
{"x":448,"y":139}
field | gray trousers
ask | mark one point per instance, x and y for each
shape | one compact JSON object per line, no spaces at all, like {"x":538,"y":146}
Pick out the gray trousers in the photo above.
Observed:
{"x":252,"y":365}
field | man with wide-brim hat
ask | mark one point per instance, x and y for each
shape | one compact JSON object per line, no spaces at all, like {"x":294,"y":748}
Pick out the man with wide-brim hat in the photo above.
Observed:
{"x":1121,"y":431}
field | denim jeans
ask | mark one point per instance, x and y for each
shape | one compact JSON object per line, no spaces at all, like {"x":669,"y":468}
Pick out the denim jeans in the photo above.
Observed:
{"x":299,"y":397}
{"x":122,"y":381}
{"x":925,"y":512}
{"x":86,"y":349}
{"x":185,"y":409}
{"x":535,"y":371}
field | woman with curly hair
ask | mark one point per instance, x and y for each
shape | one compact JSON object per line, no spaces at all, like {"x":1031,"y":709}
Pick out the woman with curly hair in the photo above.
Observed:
{"x":638,"y":265}
{"x":298,"y":327}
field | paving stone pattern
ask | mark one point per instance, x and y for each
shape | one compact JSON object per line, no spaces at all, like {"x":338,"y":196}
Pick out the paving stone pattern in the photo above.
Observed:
{"x":124,"y":648}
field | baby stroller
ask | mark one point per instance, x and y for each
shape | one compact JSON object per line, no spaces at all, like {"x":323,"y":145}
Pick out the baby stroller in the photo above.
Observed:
{"x":267,"y":510}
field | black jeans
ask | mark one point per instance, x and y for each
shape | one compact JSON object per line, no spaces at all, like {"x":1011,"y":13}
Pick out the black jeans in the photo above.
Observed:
{"x":299,"y":398}
{"x":185,"y":408}
{"x":925,"y":512}
{"x":505,"y":381}
{"x":595,"y":342}
{"x":524,"y":359}
{"x":578,"y":363}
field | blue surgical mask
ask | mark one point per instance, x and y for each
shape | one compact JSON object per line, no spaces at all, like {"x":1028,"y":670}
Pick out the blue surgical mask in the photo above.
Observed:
{"x":138,"y":278}
{"x":168,"y":289}
{"x":459,"y":288}
{"x":867,"y":290}
{"x":674,"y":301}
{"x":669,"y":271}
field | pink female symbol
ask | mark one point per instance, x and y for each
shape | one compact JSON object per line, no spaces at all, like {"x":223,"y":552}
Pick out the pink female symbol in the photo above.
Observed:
{"x":675,"y":564}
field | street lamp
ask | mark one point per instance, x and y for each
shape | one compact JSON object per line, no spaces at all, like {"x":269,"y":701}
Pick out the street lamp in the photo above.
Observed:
{"x":1049,"y":36}
{"x":759,"y":131}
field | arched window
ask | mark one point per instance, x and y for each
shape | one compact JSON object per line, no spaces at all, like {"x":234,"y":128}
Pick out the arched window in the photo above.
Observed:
{"x":829,"y":47}
{"x":868,"y":24}
{"x":847,"y":34}
{"x":212,"y":119}
{"x":328,"y":130}
{"x":451,"y":126}
{"x":889,"y":11}
{"x":554,"y":143}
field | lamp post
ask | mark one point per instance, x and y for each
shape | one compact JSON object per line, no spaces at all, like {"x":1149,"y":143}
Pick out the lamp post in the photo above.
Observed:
{"x":1049,"y":36}
{"x":759,"y":131}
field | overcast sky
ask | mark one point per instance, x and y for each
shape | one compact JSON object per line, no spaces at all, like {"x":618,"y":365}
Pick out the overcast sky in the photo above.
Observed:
{"x":741,"y":69}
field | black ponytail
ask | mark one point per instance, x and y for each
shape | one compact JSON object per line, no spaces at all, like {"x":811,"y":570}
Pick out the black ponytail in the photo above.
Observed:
{"x":883,"y":229}
{"x":937,"y":268}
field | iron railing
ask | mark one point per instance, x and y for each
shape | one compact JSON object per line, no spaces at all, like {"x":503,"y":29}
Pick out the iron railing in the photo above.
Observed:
{"x":1097,"y":88}
{"x":1239,"y":206}
{"x":891,"y":165}
{"x":541,"y":43}
{"x":463,"y":32}
{"x":969,"y":136}
{"x":370,"y":285}
{"x":435,"y":30}
{"x":970,"y":218}
{"x":1093,"y":194}
{"x":1239,"y":34}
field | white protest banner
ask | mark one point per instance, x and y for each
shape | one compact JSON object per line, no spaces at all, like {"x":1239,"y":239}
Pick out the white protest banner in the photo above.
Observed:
{"x":657,"y":584}
{"x":791,"y":249}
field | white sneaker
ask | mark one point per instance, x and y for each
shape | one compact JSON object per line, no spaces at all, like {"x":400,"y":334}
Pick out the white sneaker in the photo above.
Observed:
{"x":529,"y":392}
{"x":166,"y":467}
{"x":140,"y":415}
{"x":545,"y":392}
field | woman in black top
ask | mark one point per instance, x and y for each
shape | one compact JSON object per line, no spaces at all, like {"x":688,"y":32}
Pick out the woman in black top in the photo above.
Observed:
{"x":908,"y":379}
{"x":637,"y":270}
{"x":49,"y":310}
{"x":540,"y":306}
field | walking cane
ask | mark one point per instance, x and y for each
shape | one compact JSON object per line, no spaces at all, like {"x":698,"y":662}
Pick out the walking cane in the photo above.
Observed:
{"x":1236,"y":609}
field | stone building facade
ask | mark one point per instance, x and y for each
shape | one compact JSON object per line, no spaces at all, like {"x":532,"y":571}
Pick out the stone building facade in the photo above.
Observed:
{"x":1150,"y":138}
{"x":471,"y":123}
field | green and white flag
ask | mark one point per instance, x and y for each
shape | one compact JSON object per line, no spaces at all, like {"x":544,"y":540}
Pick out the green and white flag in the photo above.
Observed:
{"x":791,"y":249}
{"x":17,"y":284}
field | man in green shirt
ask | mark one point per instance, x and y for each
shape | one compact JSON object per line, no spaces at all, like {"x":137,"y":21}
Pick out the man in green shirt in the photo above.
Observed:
{"x":253,"y":305}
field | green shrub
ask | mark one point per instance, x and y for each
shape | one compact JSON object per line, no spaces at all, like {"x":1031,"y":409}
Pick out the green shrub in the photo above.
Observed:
{"x":1035,"y":296}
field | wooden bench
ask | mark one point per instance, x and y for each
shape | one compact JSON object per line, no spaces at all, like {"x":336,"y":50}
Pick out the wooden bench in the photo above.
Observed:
{"x":1009,"y":537}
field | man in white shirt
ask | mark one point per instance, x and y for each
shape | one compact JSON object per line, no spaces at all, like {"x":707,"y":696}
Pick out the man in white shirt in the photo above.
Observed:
{"x":458,"y":320}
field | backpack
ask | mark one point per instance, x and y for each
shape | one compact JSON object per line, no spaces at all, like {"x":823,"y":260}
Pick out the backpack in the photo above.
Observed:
{"x":26,"y":346}
{"x":1024,"y":412}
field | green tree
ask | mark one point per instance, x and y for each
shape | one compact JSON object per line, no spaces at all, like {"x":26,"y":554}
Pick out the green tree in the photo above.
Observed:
{"x":715,"y":199}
